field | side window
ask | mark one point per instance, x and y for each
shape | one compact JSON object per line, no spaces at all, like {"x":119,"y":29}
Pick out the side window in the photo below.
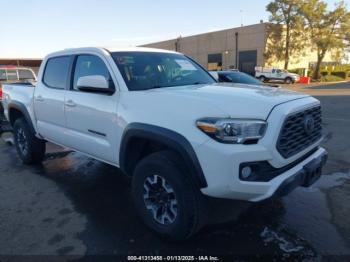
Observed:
{"x":25,"y":74}
{"x":88,"y":65}
{"x":3,"y":75}
{"x":56,"y":72}
{"x":223,"y":78}
{"x":12,"y":75}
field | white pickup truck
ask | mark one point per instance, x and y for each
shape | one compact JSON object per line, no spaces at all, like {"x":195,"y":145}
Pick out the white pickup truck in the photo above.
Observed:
{"x":267,"y":74}
{"x":164,"y":121}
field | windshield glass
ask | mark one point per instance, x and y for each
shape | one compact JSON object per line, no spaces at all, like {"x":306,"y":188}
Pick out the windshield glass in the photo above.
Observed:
{"x":238,"y":77}
{"x":147,"y":70}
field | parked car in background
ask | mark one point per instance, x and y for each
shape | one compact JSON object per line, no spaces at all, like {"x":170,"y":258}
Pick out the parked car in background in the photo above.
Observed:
{"x":234,"y":76}
{"x":165,"y":122}
{"x":13,"y":74}
{"x":267,"y":74}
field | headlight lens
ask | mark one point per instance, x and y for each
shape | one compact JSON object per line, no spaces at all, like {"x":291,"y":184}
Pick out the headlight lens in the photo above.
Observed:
{"x":233,"y":131}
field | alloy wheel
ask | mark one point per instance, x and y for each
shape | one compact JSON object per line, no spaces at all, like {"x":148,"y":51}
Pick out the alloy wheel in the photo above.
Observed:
{"x":160,"y":199}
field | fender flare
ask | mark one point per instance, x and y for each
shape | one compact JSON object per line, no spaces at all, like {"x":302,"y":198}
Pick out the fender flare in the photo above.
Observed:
{"x":21,"y":108}
{"x":167,"y":137}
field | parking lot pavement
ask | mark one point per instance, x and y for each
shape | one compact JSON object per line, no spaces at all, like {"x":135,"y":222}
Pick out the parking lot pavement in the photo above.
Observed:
{"x":73,"y":205}
{"x":321,"y":89}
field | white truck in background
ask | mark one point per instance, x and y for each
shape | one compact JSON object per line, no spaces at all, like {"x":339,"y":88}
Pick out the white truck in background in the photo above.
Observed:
{"x":267,"y":74}
{"x":165,"y":122}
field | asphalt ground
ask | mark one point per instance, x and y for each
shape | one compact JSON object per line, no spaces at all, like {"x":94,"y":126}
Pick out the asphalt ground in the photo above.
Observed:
{"x":74,"y":207}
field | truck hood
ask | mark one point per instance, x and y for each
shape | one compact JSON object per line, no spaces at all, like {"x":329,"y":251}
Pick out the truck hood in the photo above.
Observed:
{"x":234,"y":100}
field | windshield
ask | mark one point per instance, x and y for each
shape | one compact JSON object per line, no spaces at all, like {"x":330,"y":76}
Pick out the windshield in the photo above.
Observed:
{"x":242,"y":78}
{"x":147,"y":70}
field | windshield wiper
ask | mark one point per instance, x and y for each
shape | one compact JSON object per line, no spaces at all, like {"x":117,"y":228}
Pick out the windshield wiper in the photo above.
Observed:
{"x":159,"y":86}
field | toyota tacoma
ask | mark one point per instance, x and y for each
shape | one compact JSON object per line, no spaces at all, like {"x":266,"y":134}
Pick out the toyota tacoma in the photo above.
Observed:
{"x":165,"y":122}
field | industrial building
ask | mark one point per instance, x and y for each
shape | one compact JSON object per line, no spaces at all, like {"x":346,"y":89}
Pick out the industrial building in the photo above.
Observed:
{"x":242,"y":48}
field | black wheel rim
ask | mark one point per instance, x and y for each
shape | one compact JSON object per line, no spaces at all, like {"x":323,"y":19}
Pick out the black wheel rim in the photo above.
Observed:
{"x":160,"y":199}
{"x":22,"y":141}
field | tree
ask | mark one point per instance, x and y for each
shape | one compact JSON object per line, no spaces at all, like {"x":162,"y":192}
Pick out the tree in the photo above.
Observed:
{"x":286,"y":39}
{"x":329,"y":30}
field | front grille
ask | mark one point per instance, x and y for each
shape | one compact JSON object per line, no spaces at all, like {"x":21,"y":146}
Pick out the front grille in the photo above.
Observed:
{"x":297,"y":132}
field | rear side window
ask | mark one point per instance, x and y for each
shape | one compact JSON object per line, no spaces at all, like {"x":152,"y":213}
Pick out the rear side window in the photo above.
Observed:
{"x":12,"y":74}
{"x":24,"y":74}
{"x":3,"y":75}
{"x":56,"y":72}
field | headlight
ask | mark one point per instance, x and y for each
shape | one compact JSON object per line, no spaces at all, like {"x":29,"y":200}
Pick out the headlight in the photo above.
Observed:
{"x":233,"y":131}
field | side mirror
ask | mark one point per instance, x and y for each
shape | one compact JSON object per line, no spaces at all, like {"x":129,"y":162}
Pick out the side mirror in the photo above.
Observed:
{"x":95,"y":84}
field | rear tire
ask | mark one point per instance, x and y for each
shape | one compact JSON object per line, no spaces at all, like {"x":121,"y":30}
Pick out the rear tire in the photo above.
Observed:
{"x":30,"y":149}
{"x":182,"y":203}
{"x":288,"y":80}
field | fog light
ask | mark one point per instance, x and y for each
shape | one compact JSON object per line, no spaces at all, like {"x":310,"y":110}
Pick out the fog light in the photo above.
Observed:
{"x":246,"y":172}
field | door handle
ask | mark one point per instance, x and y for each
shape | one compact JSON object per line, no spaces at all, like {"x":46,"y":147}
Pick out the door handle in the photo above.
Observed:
{"x":70,"y":103}
{"x":39,"y":98}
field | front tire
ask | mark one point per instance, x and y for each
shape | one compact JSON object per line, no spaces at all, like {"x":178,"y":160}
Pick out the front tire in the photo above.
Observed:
{"x":30,"y":149}
{"x":165,"y":197}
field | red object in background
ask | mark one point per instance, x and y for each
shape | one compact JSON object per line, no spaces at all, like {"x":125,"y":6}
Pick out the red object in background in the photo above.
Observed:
{"x":8,"y":67}
{"x":0,"y":93}
{"x":304,"y":80}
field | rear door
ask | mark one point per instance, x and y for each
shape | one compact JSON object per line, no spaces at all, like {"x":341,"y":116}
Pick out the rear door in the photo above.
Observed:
{"x":91,"y":117}
{"x":49,"y":99}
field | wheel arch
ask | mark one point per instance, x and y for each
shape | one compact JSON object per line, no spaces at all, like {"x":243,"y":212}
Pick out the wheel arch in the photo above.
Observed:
{"x":137,"y":136}
{"x":17,"y":110}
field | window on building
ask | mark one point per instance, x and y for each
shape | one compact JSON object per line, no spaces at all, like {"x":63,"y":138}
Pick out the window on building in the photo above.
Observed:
{"x":215,"y":62}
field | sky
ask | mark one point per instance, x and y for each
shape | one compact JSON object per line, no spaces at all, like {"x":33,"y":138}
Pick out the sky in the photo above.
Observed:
{"x":34,"y":28}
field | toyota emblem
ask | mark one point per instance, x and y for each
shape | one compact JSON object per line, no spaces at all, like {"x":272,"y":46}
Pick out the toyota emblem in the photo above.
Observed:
{"x":309,"y":124}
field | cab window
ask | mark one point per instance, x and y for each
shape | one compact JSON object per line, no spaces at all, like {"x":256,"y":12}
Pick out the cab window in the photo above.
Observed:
{"x":25,"y":74}
{"x":3,"y":75}
{"x":56,"y":72}
{"x":12,"y":75}
{"x":88,"y":65}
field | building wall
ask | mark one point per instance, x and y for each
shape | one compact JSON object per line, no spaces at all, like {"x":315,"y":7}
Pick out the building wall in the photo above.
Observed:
{"x":253,"y":37}
{"x":223,"y":42}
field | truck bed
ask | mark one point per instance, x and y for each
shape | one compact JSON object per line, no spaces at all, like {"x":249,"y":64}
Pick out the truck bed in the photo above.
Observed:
{"x":18,"y":92}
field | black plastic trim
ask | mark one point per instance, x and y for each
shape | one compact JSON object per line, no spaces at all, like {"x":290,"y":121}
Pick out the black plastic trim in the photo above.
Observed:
{"x":265,"y":172}
{"x":301,"y":178}
{"x":20,"y":107}
{"x":97,"y":133}
{"x":169,"y":138}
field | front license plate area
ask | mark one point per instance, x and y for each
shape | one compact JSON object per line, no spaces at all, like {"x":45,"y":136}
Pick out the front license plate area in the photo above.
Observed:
{"x":313,"y":171}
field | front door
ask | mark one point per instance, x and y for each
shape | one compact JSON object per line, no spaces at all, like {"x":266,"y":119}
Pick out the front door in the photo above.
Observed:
{"x":91,"y":118}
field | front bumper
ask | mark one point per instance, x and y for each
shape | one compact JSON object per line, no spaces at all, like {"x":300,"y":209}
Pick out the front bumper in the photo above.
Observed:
{"x":222,"y":175}
{"x":305,"y":177}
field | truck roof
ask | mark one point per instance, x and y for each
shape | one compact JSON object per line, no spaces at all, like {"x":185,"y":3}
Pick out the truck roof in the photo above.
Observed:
{"x":108,"y":49}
